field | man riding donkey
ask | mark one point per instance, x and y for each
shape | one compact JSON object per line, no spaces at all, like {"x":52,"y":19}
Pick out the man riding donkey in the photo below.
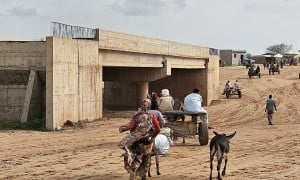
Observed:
{"x":143,"y":128}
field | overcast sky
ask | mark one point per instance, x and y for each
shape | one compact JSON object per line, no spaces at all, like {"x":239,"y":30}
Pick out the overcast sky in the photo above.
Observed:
{"x":252,"y":25}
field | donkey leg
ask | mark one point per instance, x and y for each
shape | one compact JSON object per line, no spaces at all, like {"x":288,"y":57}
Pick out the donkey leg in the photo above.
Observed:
{"x":219,"y":157}
{"x":157,"y":164}
{"x":212,"y":154}
{"x":224,"y":170}
{"x":144,"y":177}
{"x":131,"y":177}
{"x":149,"y":170}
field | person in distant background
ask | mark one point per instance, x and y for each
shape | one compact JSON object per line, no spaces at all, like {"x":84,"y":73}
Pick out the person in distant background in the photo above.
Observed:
{"x":270,"y":107}
{"x":154,"y":101}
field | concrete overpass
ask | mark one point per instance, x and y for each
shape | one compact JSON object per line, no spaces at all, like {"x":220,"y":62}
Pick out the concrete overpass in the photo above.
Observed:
{"x":72,"y":79}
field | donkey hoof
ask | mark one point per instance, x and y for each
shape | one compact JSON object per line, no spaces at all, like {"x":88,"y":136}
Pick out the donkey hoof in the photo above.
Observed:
{"x":223,"y":173}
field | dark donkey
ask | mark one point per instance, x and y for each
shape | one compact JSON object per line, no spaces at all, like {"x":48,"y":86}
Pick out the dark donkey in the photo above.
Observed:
{"x":219,"y":144}
{"x":145,"y":164}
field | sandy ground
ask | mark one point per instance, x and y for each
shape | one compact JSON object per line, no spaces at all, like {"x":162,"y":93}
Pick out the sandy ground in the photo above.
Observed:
{"x":258,"y":150}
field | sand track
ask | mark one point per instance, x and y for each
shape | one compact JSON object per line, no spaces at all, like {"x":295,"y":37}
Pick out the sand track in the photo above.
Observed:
{"x":258,"y":151}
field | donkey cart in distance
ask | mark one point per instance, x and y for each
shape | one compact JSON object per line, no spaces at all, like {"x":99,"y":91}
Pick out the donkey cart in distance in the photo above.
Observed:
{"x":188,"y":128}
{"x":273,"y":69}
{"x":231,"y":92}
{"x":253,"y":72}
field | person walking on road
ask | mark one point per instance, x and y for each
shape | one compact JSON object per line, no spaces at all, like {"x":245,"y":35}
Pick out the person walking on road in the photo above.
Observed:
{"x":270,"y":107}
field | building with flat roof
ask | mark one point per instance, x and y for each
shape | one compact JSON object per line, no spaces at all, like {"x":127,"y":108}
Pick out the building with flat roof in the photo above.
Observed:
{"x":232,"y":57}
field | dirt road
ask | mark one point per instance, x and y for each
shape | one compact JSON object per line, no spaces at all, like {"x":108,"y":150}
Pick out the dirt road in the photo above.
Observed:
{"x":258,"y":150}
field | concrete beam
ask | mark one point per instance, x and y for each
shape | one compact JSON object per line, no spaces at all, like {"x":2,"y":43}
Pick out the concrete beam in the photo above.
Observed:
{"x":28,"y":95}
{"x":133,"y":74}
{"x":22,"y":68}
{"x":139,"y":44}
{"x":128,"y":64}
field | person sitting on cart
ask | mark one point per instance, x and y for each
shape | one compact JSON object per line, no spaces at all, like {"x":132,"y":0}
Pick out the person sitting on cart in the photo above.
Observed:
{"x":159,"y":117}
{"x":257,"y":71}
{"x":227,"y":87}
{"x":166,"y":101}
{"x":154,"y":101}
{"x":192,"y":104}
{"x":236,"y":85}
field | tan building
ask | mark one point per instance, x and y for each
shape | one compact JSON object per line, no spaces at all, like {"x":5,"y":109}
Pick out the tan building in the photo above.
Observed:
{"x":232,"y":57}
{"x":74,"y":78}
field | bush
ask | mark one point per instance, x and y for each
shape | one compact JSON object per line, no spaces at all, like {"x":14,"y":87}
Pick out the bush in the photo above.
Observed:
{"x":36,"y":124}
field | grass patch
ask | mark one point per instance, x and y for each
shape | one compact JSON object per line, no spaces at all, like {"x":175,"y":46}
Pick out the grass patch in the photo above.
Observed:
{"x":36,"y":124}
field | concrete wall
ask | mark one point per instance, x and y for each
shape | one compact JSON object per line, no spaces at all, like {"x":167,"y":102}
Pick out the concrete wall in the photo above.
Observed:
{"x":181,"y":83}
{"x":213,"y":78}
{"x":119,"y":94}
{"x":37,"y":100}
{"x":226,"y":57}
{"x":74,"y":81}
{"x":11,"y":101}
{"x":16,"y":60}
{"x":23,"y":55}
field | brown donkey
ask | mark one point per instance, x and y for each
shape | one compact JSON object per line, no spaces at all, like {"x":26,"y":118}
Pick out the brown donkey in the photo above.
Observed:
{"x":219,"y":144}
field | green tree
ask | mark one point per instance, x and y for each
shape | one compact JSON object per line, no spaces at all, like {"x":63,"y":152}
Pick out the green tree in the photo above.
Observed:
{"x":280,"y":48}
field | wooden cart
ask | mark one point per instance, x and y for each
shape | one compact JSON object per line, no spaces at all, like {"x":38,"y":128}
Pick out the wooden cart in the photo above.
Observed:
{"x":187,"y":128}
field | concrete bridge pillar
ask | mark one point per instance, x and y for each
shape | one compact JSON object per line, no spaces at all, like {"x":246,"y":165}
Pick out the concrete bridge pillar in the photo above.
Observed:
{"x":141,"y":91}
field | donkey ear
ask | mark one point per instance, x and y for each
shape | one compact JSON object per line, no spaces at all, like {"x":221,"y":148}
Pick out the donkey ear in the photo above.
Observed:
{"x":216,"y":133}
{"x":231,"y":135}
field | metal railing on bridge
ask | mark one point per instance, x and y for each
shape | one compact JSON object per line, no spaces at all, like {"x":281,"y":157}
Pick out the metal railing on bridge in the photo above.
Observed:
{"x":73,"y":32}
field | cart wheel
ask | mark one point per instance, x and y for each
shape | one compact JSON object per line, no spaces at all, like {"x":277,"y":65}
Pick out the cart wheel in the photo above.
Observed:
{"x":203,"y":133}
{"x":227,"y":94}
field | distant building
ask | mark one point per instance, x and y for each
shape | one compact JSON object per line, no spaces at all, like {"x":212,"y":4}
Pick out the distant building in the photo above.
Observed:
{"x":232,"y":57}
{"x":275,"y":58}
{"x":259,"y":59}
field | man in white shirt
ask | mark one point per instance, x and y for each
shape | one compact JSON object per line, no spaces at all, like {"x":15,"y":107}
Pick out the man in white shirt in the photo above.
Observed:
{"x":192,"y":103}
{"x":236,"y":85}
